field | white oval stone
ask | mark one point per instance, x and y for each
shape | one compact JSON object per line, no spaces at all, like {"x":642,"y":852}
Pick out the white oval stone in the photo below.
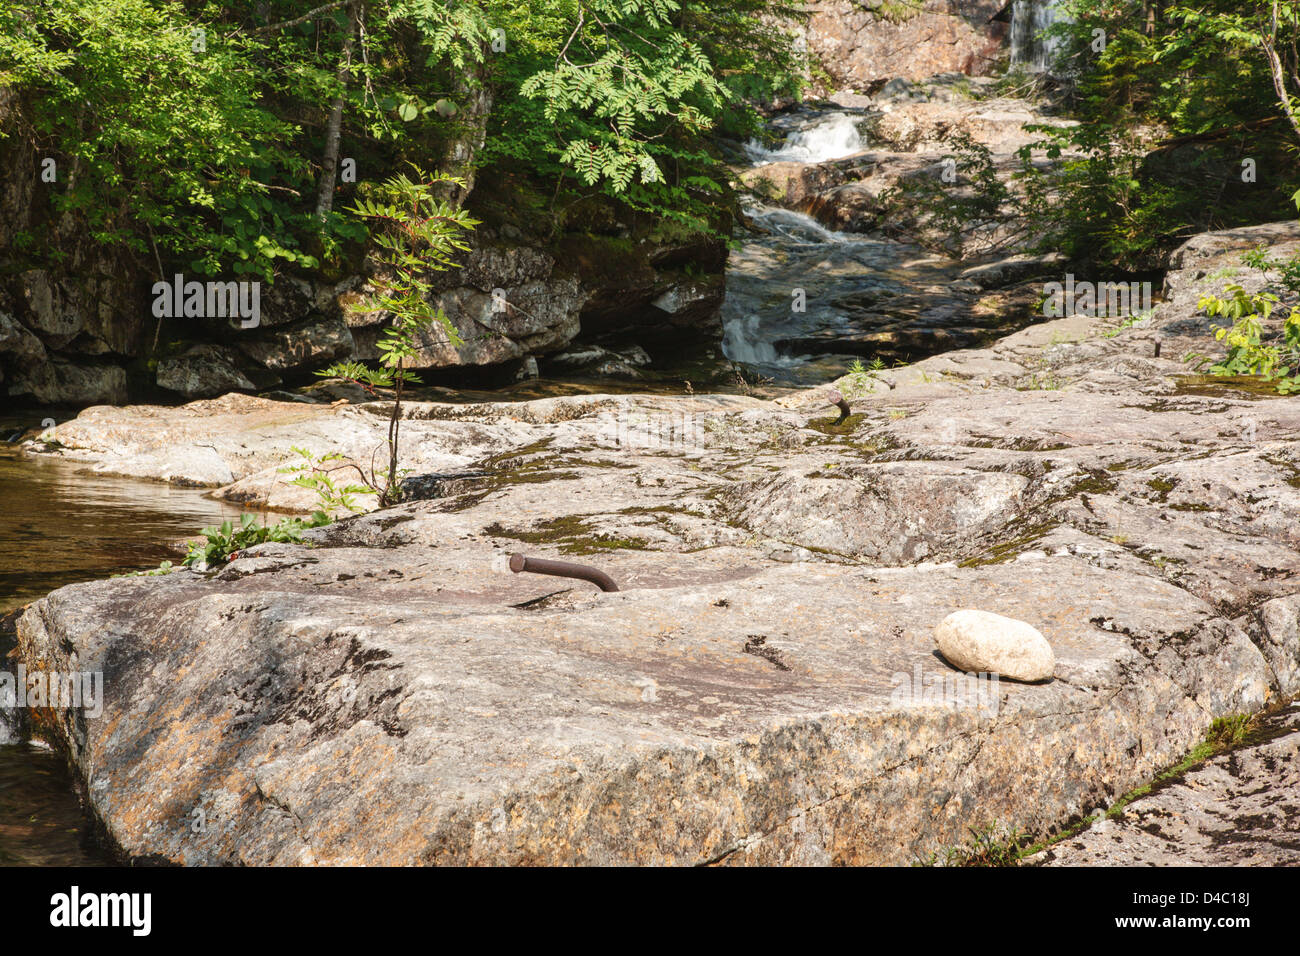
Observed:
{"x":981,"y":641}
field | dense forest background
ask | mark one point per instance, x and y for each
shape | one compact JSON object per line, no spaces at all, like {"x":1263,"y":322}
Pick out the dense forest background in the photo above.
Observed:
{"x":1173,"y":98}
{"x":210,"y":135}
{"x":240,"y":140}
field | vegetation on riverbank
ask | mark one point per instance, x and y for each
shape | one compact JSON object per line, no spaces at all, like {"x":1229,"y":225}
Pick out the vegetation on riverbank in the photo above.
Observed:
{"x":215,"y":137}
{"x":1187,"y":122}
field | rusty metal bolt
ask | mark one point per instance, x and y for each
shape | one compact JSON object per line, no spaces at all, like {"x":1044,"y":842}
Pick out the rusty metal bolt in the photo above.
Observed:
{"x":562,"y":569}
{"x":836,"y":399}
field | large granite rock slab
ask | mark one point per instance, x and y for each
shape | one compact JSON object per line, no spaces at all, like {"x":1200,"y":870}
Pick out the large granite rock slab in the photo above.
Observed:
{"x":765,"y":687}
{"x":1241,"y":808}
{"x":419,"y":704}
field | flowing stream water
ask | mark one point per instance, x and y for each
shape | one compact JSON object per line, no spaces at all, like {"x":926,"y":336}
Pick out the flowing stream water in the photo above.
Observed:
{"x":778,"y":279}
{"x":803,"y":301}
{"x":57,"y":527}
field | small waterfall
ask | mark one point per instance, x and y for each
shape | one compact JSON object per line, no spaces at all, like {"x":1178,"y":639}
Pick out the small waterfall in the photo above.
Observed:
{"x":10,"y":729}
{"x":775,"y":261}
{"x":751,"y":317}
{"x":742,"y":341}
{"x":798,"y":227}
{"x":1029,"y":49}
{"x":10,"y":733}
{"x":834,"y":137}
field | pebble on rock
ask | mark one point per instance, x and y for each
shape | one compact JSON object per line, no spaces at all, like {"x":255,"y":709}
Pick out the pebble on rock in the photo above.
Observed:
{"x":978,"y":641}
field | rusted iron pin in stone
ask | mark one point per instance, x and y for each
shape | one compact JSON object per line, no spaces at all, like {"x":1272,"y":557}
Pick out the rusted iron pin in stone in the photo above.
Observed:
{"x":562,"y":569}
{"x":836,"y":399}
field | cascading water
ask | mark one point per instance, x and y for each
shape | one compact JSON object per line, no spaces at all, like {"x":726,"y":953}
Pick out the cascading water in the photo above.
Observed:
{"x":9,"y":730}
{"x":787,"y":254}
{"x":779,"y":285}
{"x":833,"y":137}
{"x":803,"y":301}
{"x":1029,"y":48}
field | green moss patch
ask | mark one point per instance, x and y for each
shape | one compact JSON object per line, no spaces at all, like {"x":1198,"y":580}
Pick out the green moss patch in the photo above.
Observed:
{"x":571,"y":534}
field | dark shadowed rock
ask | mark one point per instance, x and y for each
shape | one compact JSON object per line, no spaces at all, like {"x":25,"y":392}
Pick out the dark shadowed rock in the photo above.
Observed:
{"x":202,"y":372}
{"x":292,"y":348}
{"x":71,"y":383}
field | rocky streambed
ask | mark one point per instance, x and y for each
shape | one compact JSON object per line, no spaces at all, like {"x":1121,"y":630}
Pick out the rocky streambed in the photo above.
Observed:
{"x":822,"y":273}
{"x":834,"y":268}
{"x":764,"y":687}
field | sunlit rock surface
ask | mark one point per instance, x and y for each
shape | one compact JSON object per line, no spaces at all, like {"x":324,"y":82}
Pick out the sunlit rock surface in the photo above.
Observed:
{"x":757,"y":691}
{"x":1241,"y":808}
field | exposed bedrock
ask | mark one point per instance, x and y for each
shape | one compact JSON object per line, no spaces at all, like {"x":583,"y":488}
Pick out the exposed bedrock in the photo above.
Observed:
{"x":362,"y":705}
{"x":765,"y":687}
{"x":1241,"y":808}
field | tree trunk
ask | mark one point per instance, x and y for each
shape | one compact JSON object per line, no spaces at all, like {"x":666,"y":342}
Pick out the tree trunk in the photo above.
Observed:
{"x":333,"y":132}
{"x":473,"y":98}
{"x":1269,"y":42}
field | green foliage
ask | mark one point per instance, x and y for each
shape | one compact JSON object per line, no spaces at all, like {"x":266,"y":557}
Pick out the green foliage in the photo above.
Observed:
{"x":227,"y":539}
{"x":371,"y":379}
{"x":1248,"y":353}
{"x":418,"y":234}
{"x":1193,"y":67}
{"x":1179,"y":95}
{"x":617,"y":97}
{"x":861,"y":376}
{"x":1094,"y":201}
{"x":316,"y":473}
{"x":1289,"y":269}
{"x":164,"y":568}
{"x":207,"y":155}
{"x":1223,"y":734}
{"x":1226,"y":732}
{"x":989,"y":845}
{"x":898,"y":11}
{"x":618,"y":82}
{"x":1128,"y":323}
{"x":158,"y":141}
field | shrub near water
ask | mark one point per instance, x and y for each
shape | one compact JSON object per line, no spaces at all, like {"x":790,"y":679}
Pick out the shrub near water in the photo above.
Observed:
{"x":1253,"y":348}
{"x":226,"y":540}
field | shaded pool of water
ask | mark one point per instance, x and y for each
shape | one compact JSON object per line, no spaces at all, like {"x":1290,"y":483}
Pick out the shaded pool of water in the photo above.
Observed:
{"x":41,"y":822}
{"x":58,"y":527}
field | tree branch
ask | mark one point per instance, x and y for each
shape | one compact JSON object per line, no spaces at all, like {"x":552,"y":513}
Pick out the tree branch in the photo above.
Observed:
{"x":323,"y":8}
{"x":1269,"y":42}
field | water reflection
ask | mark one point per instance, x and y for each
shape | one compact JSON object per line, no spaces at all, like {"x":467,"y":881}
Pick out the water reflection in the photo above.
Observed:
{"x":59,"y":527}
{"x":41,"y":823}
